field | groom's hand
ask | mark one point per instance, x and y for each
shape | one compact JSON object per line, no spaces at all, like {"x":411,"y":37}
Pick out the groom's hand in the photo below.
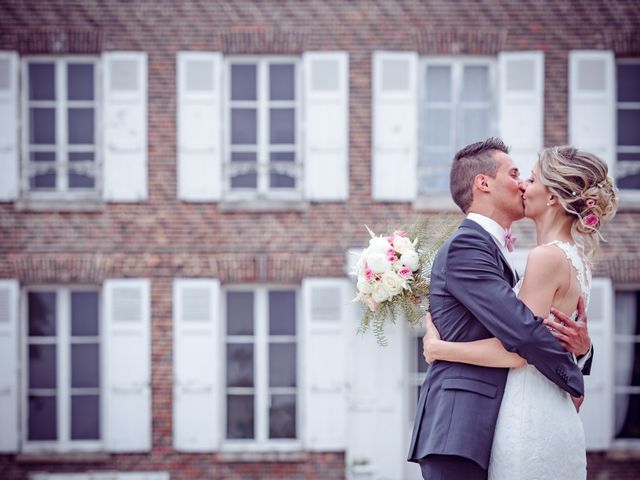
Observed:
{"x":573,"y":335}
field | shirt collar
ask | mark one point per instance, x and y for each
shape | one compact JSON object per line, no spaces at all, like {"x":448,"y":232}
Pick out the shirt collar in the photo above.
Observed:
{"x":491,"y":226}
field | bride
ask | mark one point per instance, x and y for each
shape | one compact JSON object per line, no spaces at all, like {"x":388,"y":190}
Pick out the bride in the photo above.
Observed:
{"x":538,"y":433}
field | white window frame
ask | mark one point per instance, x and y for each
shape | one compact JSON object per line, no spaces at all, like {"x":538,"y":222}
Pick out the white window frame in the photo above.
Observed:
{"x":61,"y":104}
{"x":457,"y":64}
{"x":627,"y":192}
{"x":262,"y":104}
{"x":261,"y":389}
{"x":63,"y":375}
{"x":623,"y":443}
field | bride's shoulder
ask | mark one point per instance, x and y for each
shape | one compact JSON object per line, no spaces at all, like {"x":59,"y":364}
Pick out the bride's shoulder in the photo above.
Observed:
{"x":545,"y":254}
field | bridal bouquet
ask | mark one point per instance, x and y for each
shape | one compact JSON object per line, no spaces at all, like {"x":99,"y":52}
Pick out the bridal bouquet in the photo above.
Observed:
{"x":394,"y":273}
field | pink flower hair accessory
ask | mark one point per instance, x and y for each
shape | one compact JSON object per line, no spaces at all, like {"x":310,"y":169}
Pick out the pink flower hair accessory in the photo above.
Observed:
{"x":591,"y":220}
{"x":591,"y":203}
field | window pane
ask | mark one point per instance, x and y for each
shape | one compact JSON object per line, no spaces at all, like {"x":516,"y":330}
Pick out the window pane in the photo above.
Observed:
{"x":42,"y":156}
{"x":82,"y":156}
{"x":240,"y":365}
{"x":281,"y":82}
{"x":42,"y":126}
{"x":42,"y":313}
{"x":282,"y":416}
{"x":243,"y":126}
{"x":42,"y":84}
{"x":631,"y":181}
{"x":475,"y":126}
{"x":627,"y":416}
{"x":85,"y":365}
{"x":282,"y":365}
{"x":475,"y":83}
{"x":245,"y":180}
{"x":46,"y":180}
{"x":43,"y":418}
{"x":434,"y":176}
{"x":421,"y":364}
{"x":629,"y":82}
{"x":80,"y":126}
{"x":282,"y":313}
{"x":84,"y":313}
{"x":438,"y":127}
{"x":240,"y":416}
{"x":282,"y":125}
{"x":280,"y":180}
{"x":80,"y":81}
{"x":243,"y":156}
{"x":628,"y":130}
{"x":438,"y":84}
{"x":283,"y":156}
{"x":243,"y":82}
{"x":85,"y":417}
{"x":42,"y":366}
{"x":239,"y":313}
{"x":80,"y":179}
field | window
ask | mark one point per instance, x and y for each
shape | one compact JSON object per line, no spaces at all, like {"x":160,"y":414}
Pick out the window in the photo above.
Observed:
{"x":263,"y":157}
{"x":261,"y":366}
{"x":628,"y":119}
{"x":457,"y":107}
{"x":417,"y":370}
{"x":60,"y":111}
{"x":62,"y":368}
{"x":627,"y":365}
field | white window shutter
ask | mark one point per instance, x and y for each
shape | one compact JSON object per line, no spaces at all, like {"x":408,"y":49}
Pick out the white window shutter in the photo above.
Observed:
{"x":127,"y":365}
{"x":326,"y":108}
{"x":199,"y":136}
{"x":8,"y":366}
{"x":521,"y":106}
{"x":395,"y":126}
{"x":592,"y":104}
{"x":597,"y":410}
{"x":9,"y":156}
{"x":325,"y":303}
{"x":124,"y":89}
{"x":196,"y":365}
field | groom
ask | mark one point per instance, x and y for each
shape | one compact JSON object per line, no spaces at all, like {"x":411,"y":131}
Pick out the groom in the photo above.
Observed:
{"x":471,"y":298}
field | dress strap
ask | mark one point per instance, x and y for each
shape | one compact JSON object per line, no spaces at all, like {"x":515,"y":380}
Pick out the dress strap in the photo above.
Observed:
{"x":582,"y":271}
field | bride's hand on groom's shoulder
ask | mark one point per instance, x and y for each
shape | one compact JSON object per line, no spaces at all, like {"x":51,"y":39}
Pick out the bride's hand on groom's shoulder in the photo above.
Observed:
{"x":430,"y":340}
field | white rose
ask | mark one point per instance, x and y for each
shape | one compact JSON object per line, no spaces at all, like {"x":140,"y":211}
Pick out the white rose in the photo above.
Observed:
{"x":402,"y":244}
{"x":380,"y":293}
{"x":378,"y":263}
{"x":378,"y":245}
{"x":392,"y":282}
{"x":410,"y":259}
{"x":364,"y":286}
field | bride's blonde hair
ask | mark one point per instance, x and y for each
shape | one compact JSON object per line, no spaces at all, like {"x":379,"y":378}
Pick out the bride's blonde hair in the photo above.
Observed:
{"x":579,"y":180}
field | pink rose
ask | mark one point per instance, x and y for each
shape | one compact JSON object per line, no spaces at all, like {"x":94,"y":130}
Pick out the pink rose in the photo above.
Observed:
{"x":368,"y":273}
{"x":591,"y":220}
{"x":400,"y":233}
{"x":390,"y":239}
{"x":392,"y":258}
{"x":405,"y":272}
{"x":591,"y":202}
{"x":391,"y":251}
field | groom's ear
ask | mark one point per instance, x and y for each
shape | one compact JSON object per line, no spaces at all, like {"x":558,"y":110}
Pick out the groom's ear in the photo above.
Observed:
{"x":481,"y":183}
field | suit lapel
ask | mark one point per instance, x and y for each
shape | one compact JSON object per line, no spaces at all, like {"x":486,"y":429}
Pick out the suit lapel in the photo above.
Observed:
{"x":506,"y":266}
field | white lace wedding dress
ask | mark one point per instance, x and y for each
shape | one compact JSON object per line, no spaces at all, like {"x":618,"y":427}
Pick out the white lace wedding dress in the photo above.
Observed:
{"x":539,"y":435}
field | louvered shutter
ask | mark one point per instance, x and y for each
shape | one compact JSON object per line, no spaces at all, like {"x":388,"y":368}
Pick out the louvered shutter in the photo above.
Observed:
{"x":326,"y":109}
{"x":127,"y":388}
{"x":196,"y":364}
{"x":9,"y":156}
{"x":521,"y":106}
{"x":592,"y":104}
{"x":125,"y":126}
{"x":395,"y":126}
{"x":199,"y":138}
{"x":8,"y":366}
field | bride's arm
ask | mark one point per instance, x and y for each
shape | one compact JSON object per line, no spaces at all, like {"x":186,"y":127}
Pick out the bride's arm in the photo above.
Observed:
{"x":537,"y":292}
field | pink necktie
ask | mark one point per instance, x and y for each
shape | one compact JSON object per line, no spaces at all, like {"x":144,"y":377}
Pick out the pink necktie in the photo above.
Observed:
{"x":509,"y":239}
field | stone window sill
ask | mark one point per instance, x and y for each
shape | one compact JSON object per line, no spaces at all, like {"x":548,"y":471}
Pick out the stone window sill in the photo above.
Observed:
{"x":51,"y":457}
{"x":263,"y":457}
{"x":263,"y":205}
{"x":441,"y":203}
{"x":59,"y":205}
{"x":629,"y":200}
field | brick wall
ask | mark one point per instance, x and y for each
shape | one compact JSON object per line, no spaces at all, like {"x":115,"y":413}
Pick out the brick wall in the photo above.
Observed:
{"x":164,"y":238}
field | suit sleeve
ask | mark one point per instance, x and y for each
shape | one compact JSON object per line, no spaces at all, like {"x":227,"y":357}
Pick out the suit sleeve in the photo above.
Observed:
{"x":473,"y":277}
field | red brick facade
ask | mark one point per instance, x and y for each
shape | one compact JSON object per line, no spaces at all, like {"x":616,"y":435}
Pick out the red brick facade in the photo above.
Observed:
{"x":163,"y":238}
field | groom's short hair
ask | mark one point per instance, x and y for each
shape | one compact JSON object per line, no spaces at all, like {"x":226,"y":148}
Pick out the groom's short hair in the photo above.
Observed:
{"x":469,"y":161}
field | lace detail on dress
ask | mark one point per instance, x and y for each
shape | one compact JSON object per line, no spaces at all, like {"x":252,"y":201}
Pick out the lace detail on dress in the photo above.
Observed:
{"x":583,"y":272}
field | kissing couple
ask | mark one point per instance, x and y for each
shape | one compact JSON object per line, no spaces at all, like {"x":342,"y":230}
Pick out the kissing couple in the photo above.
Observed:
{"x":507,"y":355}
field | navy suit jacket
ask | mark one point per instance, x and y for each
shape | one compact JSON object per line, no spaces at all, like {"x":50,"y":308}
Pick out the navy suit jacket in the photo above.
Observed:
{"x":471,"y":297}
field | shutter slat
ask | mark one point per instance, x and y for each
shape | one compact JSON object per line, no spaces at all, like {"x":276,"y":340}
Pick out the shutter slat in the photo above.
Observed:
{"x":127,"y":387}
{"x":199,"y":137}
{"x":395,"y":126}
{"x":521,"y":105}
{"x":125,"y":126}
{"x":9,"y":156}
{"x":196,"y":391}
{"x":326,"y":106}
{"x":9,"y":366}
